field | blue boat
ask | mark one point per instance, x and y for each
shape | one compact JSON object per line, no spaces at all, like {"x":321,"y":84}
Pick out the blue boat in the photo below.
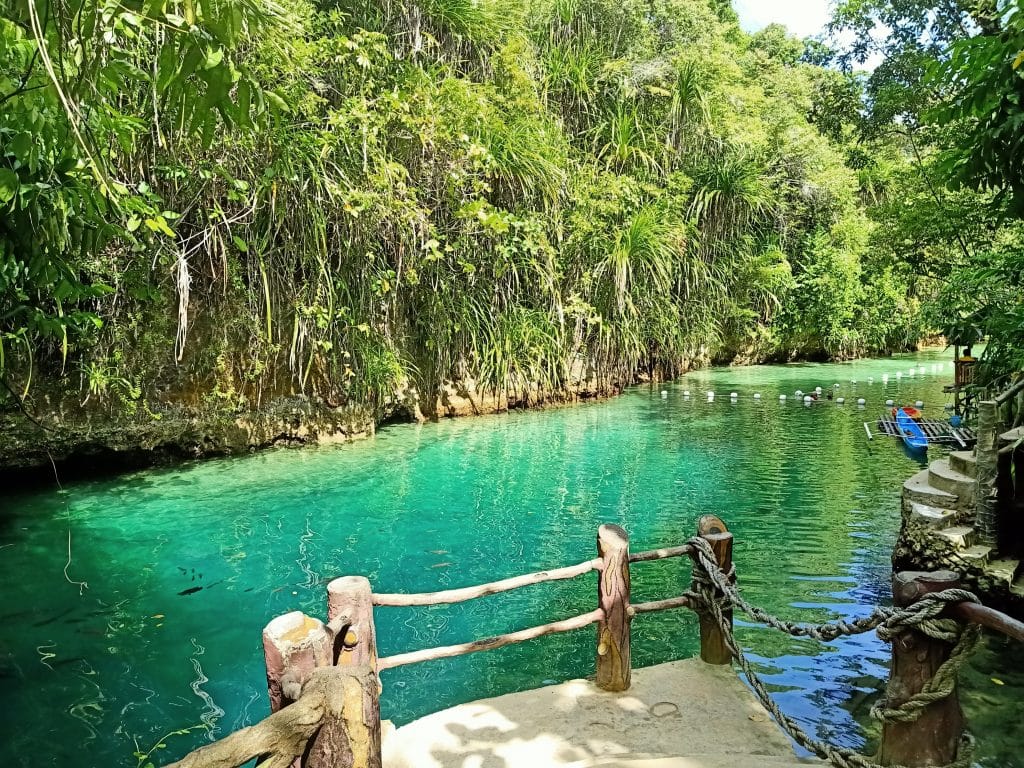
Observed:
{"x":911,"y":432}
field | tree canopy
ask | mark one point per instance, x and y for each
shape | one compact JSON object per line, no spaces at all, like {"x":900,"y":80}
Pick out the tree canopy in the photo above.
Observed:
{"x":222,"y":201}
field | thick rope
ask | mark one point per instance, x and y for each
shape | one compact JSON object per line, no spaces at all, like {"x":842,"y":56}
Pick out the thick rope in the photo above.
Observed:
{"x":717,"y":592}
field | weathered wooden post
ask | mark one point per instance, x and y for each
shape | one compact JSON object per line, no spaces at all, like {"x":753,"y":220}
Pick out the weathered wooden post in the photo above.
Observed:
{"x":987,"y":523}
{"x":613,"y":652}
{"x":352,"y":738}
{"x":713,"y":649}
{"x":351,"y":598}
{"x":934,"y":737}
{"x":293,"y":646}
{"x":350,"y":735}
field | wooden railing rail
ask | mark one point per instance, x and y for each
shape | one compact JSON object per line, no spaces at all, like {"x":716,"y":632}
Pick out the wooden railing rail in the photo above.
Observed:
{"x":1010,"y":392}
{"x":490,"y":643}
{"x":493,"y":588}
{"x":462,"y":594}
{"x":660,"y":554}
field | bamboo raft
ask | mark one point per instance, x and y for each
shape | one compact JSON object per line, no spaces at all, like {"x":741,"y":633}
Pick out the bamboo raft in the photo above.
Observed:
{"x":938,"y":432}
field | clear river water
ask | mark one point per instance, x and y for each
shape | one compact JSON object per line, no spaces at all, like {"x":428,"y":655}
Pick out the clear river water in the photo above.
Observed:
{"x":153,"y":622}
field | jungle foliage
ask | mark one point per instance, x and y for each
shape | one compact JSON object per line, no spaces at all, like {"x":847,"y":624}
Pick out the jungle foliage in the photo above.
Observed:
{"x":949,"y":90}
{"x":223,"y":201}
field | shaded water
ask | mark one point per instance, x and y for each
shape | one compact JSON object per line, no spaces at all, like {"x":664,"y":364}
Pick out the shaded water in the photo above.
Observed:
{"x":180,"y":569}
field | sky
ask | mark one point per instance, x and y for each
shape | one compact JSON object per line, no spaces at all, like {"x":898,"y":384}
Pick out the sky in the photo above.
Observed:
{"x":802,"y":17}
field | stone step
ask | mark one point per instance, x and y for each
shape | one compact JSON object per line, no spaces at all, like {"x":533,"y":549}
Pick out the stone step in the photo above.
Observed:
{"x":1017,"y":588}
{"x":978,"y":554}
{"x":1003,"y":571}
{"x":918,"y":489}
{"x":942,"y":476}
{"x":1008,"y":438}
{"x":960,"y":536}
{"x":933,"y":517}
{"x":964,"y":462}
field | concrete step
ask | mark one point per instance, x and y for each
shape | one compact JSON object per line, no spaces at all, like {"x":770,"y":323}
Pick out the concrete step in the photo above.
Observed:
{"x":942,"y":476}
{"x":1003,"y":571}
{"x":688,"y":761}
{"x":960,"y":536}
{"x":918,"y":489}
{"x":964,"y":462}
{"x":933,"y":517}
{"x":978,"y":554}
{"x":684,"y":714}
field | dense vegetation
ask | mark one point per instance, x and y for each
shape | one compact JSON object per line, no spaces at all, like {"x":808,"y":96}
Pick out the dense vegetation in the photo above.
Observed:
{"x":218,"y":202}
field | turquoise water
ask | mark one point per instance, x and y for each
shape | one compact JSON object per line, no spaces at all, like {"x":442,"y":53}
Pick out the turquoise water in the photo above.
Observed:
{"x":154,"y":624}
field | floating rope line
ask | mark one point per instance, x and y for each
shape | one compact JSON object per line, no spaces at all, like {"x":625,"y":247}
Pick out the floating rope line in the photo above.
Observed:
{"x":715,"y":589}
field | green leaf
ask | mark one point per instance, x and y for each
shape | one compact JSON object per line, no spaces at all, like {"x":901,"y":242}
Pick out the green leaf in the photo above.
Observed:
{"x":278,"y":102}
{"x":240,"y":244}
{"x":214,"y":56}
{"x":9,"y":185}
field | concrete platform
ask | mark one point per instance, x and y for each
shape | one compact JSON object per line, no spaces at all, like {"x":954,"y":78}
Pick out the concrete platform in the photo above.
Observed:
{"x":684,"y":714}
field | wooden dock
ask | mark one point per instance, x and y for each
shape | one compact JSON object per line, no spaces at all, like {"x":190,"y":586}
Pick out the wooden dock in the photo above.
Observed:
{"x":938,"y":432}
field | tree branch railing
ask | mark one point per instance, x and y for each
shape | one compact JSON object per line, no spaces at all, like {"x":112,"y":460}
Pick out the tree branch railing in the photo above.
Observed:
{"x":322,"y":677}
{"x":324,"y":689}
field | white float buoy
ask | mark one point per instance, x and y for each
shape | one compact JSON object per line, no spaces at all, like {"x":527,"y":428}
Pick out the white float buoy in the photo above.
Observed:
{"x":885,"y":378}
{"x":686,"y":393}
{"x":840,"y":400}
{"x":664,"y":393}
{"x":711,"y":395}
{"x":861,"y":401}
{"x":818,"y":390}
{"x":899,"y":374}
{"x":910,"y":372}
{"x":782,"y":397}
{"x":853,"y":381}
{"x":836,"y":385}
{"x":919,"y":404}
{"x":757,"y":395}
{"x":733,"y":395}
{"x":799,"y":393}
{"x":808,"y":398}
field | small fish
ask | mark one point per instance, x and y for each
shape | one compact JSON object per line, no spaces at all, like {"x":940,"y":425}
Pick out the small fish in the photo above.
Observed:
{"x":439,"y":551}
{"x":190,"y":591}
{"x":157,"y":616}
{"x":440,"y":565}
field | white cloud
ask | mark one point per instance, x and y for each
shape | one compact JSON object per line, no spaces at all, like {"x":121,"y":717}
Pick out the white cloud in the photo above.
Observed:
{"x":801,"y":17}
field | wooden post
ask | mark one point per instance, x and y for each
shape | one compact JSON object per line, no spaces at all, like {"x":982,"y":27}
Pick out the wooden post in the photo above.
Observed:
{"x":350,"y":597}
{"x":293,"y":646}
{"x":350,"y":738}
{"x":934,"y":737}
{"x":713,"y":649}
{"x":987,"y":524}
{"x":350,"y":734}
{"x":613,"y":652}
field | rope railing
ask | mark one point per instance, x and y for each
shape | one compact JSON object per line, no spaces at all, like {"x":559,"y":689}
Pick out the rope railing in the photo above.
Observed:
{"x":324,"y":689}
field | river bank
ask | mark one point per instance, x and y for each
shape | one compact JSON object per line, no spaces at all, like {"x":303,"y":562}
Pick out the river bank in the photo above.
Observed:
{"x":72,"y":441}
{"x":60,"y":437}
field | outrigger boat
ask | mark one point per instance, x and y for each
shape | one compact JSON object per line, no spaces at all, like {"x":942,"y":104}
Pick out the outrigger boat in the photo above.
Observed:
{"x":911,"y":431}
